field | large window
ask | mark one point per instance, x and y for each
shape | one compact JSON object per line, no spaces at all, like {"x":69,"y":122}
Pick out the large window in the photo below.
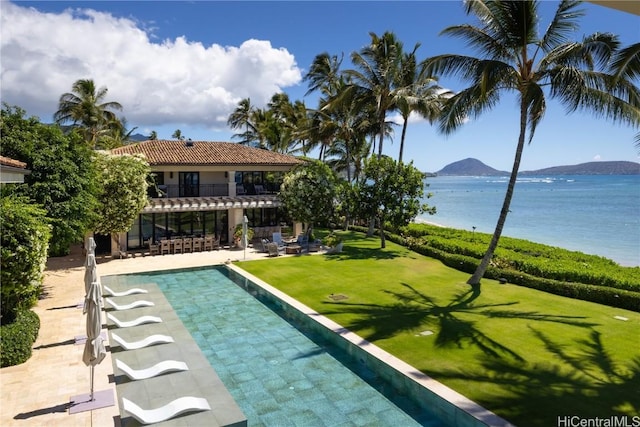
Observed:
{"x":158,"y":226}
{"x":269,"y":180}
{"x":189,"y":184}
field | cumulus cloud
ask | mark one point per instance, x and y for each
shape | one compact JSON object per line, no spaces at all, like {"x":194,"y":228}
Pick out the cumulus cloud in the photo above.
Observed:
{"x":170,"y":81}
{"x":597,"y":157}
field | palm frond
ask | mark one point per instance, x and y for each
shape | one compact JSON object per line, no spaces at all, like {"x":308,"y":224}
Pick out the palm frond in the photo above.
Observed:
{"x":563,"y":23}
{"x":471,"y":102}
{"x":626,"y":62}
{"x":536,"y":105}
{"x":479,"y":40}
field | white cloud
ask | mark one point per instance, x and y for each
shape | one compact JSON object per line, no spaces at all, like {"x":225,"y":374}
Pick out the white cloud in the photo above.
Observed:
{"x":597,"y":157}
{"x":172,"y":81}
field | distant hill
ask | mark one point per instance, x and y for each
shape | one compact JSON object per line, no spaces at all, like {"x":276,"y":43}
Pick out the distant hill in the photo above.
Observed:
{"x":474,"y":167}
{"x":469,"y":167}
{"x":591,"y":168}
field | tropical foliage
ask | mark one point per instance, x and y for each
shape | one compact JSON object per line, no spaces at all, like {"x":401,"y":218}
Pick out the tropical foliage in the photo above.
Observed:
{"x":515,"y":58}
{"x":390,"y":192}
{"x":62,"y":178}
{"x":123,"y":191}
{"x":93,"y":117}
{"x":308,"y":193}
{"x":25,"y":238}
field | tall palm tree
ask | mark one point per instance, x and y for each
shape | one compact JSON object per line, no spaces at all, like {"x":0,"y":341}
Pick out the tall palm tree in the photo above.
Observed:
{"x":84,"y":107}
{"x":177,"y":134}
{"x":517,"y":59}
{"x":153,"y":135}
{"x":377,"y":67}
{"x":417,"y":92}
{"x":242,"y":118}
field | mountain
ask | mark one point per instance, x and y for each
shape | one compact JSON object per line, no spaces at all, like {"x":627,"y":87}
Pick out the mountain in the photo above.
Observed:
{"x":469,"y":167}
{"x":591,"y":168}
{"x":474,"y":167}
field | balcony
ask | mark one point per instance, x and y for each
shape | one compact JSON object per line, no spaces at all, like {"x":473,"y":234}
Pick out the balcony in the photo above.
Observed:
{"x":206,"y":190}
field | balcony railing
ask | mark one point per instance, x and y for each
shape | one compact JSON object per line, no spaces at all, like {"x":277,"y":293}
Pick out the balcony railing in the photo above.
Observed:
{"x":206,"y":190}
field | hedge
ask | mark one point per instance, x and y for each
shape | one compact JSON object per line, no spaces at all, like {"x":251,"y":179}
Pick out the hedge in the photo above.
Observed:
{"x":607,"y":291}
{"x":18,"y":338}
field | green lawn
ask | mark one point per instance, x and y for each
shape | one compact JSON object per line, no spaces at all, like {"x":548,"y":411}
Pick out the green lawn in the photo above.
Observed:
{"x":527,"y":355}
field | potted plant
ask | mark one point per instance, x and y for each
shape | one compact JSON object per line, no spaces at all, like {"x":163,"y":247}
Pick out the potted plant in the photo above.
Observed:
{"x":333,"y":242}
{"x":237,"y":235}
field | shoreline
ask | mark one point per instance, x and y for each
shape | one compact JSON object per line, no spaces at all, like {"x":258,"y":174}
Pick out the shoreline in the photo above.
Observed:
{"x":435,"y":224}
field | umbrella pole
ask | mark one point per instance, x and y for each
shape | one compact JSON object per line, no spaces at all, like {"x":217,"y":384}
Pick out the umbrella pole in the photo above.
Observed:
{"x":91,"y":399}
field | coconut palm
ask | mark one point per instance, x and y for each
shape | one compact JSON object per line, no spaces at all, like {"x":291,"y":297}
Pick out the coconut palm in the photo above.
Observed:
{"x":377,"y":68}
{"x":242,"y":118}
{"x":177,"y":134}
{"x":626,"y":65}
{"x":85,"y":108}
{"x":516,"y":59}
{"x":153,"y":135}
{"x":417,"y":92}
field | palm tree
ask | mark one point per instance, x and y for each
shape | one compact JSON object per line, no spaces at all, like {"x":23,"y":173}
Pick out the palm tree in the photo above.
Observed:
{"x":84,"y":107}
{"x":517,"y":59}
{"x":153,"y":135}
{"x":242,"y":118}
{"x":417,"y":92}
{"x":626,"y":65}
{"x":177,"y":134}
{"x":377,"y":68}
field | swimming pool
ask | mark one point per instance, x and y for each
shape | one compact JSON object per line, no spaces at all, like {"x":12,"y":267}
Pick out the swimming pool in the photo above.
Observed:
{"x":277,"y":374}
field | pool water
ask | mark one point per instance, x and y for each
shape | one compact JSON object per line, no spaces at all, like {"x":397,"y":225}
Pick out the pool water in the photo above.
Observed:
{"x":276,"y":373}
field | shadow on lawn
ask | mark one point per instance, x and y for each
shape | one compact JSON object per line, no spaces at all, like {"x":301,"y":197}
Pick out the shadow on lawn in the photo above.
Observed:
{"x":354,"y":252}
{"x":414,"y":309}
{"x":587,"y":383}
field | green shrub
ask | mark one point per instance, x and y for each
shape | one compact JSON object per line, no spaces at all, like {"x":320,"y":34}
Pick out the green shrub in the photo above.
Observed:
{"x":25,"y":237}
{"x":520,"y":262}
{"x":17,"y":338}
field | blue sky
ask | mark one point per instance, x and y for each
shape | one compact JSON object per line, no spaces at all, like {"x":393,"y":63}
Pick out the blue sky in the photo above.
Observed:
{"x":185,"y":65}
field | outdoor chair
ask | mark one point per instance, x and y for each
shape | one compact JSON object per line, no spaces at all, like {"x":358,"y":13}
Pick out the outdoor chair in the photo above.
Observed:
{"x":135,"y":304}
{"x":166,"y":412}
{"x":197,"y":244}
{"x":259,"y":189}
{"x":145,"y":342}
{"x":135,"y":322}
{"x":187,"y":245}
{"x":154,"y":248}
{"x":277,"y":239}
{"x":160,"y":368}
{"x":272,"y":249}
{"x":177,"y":246}
{"x":208,"y":243}
{"x":107,"y":291}
{"x":165,"y":247}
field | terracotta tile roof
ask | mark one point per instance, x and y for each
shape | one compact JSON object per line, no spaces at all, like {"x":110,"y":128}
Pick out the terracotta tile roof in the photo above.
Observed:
{"x":7,"y":161}
{"x":172,"y":152}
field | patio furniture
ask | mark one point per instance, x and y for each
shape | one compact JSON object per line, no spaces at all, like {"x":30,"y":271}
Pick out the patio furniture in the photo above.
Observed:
{"x":277,"y":239}
{"x":145,"y":342}
{"x":107,"y":291}
{"x":165,"y":247}
{"x":160,"y":368}
{"x":293,"y":249}
{"x":135,"y":304}
{"x":135,"y":322}
{"x":208,"y":243}
{"x":272,"y":249}
{"x":154,"y":248}
{"x":168,"y":411}
{"x":197,"y":244}
{"x":177,"y":246}
{"x":186,"y":245}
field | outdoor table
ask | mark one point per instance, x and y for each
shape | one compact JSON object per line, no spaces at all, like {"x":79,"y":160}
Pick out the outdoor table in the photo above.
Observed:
{"x":293,"y":249}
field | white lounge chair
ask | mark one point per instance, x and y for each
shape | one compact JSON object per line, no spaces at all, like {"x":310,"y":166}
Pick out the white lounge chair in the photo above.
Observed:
{"x":135,"y":304}
{"x":110,"y":292}
{"x":150,"y":340}
{"x":166,"y":412}
{"x":163,"y":367}
{"x":135,"y":322}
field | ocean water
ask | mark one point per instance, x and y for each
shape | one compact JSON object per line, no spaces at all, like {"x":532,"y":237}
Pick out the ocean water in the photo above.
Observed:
{"x":594,"y":214}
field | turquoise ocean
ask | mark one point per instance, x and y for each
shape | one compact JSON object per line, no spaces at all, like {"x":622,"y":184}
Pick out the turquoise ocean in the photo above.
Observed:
{"x":594,"y":214}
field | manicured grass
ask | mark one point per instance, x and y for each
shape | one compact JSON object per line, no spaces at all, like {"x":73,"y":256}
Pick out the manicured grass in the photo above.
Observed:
{"x":527,"y":355}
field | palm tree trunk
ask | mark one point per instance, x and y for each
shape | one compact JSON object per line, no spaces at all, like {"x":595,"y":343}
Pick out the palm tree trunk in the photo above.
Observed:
{"x":404,"y":132}
{"x":477,"y":275}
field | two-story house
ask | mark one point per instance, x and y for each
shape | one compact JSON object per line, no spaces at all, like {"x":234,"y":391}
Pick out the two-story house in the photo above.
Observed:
{"x":205,"y":188}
